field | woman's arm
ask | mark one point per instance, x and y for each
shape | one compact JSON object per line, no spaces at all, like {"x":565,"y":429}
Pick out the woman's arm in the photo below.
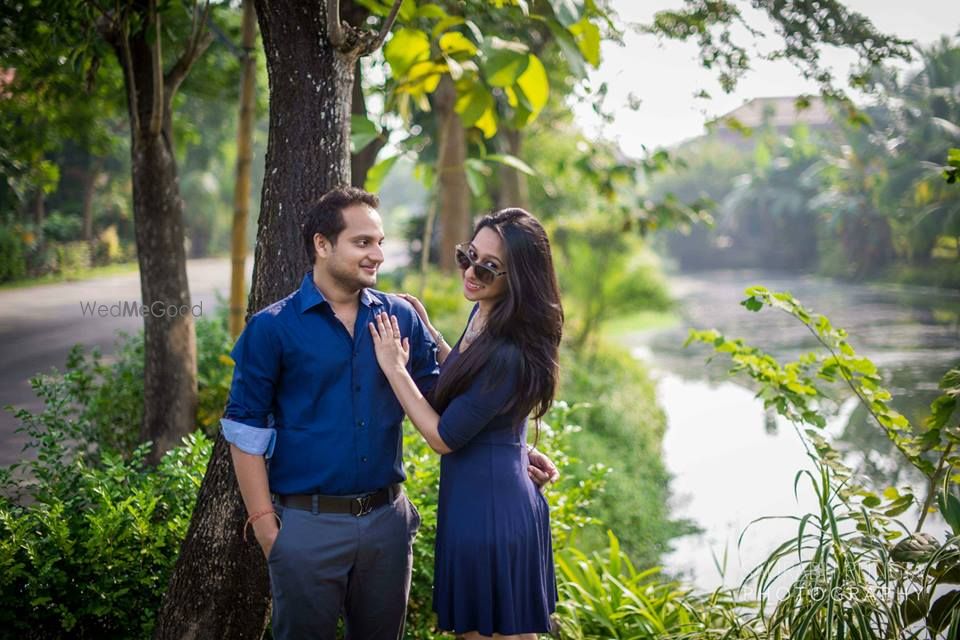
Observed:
{"x":392,"y":354}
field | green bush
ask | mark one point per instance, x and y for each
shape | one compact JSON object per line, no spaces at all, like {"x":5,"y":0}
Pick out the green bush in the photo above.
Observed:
{"x":622,"y":428}
{"x":602,"y":595}
{"x":110,"y":395}
{"x":58,"y":227}
{"x":87,"y":543}
{"x":13,"y":264}
{"x":72,"y":256}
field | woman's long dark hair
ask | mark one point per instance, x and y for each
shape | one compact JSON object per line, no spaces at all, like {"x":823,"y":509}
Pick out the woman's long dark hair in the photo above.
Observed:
{"x":525,"y":325}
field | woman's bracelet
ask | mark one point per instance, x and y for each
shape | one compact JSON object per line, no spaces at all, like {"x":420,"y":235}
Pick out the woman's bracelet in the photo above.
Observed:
{"x":438,"y":338}
{"x":256,"y":516}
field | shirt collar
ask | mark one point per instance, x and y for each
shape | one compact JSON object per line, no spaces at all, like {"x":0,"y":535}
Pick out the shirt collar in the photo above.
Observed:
{"x":311,"y":296}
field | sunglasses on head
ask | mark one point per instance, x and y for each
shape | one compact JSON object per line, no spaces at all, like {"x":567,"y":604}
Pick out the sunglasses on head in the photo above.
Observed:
{"x":484,"y":273}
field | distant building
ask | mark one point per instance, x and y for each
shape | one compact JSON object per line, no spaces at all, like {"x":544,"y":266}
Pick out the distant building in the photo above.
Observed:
{"x":782,"y":113}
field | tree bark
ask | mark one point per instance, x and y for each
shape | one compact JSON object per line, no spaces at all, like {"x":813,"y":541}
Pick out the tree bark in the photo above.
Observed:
{"x":219,"y":588}
{"x":89,"y":190}
{"x":513,"y":183}
{"x":241,"y":192}
{"x":170,"y":353}
{"x":39,"y":208}
{"x":454,"y":193}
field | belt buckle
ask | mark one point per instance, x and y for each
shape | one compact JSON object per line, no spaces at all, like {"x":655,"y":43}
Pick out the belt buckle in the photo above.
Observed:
{"x":363,"y":505}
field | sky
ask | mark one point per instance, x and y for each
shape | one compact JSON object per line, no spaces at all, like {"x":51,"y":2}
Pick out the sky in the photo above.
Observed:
{"x":664,"y":76}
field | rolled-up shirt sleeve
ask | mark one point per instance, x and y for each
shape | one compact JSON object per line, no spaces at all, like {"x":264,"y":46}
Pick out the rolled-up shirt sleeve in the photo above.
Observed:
{"x":487,"y":397}
{"x":247,"y":422}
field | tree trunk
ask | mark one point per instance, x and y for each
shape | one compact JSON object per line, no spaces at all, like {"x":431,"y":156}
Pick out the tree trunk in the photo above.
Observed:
{"x":241,"y":191}
{"x":454,"y":193}
{"x":39,"y":208}
{"x":219,"y":588}
{"x":170,"y":349}
{"x":89,"y":190}
{"x":513,"y":183}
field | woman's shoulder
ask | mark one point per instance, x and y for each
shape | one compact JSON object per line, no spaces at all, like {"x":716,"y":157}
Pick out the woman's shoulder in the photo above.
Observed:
{"x":506,"y":358}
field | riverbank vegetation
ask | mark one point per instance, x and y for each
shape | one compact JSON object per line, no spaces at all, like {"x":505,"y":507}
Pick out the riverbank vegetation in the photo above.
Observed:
{"x":861,"y":198}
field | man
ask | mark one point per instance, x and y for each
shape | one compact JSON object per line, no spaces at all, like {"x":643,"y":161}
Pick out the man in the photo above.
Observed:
{"x":308,"y":394}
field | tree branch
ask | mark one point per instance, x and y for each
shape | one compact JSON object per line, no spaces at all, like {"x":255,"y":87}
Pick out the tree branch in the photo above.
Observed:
{"x":384,"y":29}
{"x":156,"y":58}
{"x":123,"y":33}
{"x":334,"y":29}
{"x":178,"y":72}
{"x":200,"y":39}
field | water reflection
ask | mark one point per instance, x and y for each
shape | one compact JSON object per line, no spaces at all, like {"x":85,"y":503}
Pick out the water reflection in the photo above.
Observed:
{"x":732,"y":461}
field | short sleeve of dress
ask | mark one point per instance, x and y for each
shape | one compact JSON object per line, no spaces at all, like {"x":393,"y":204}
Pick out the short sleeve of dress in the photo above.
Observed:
{"x":486,"y":398}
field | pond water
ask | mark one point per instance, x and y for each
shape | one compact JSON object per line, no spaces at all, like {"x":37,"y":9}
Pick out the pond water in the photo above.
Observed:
{"x":731,"y":462}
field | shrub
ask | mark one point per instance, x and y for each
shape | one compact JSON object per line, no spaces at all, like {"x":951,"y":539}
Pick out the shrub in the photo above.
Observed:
{"x":109,"y":397}
{"x":13,"y":264}
{"x":72,"y":256}
{"x":58,"y":227}
{"x":623,"y":429}
{"x":87,"y":544}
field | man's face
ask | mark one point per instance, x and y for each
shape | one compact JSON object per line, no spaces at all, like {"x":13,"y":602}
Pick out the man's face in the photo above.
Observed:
{"x":354,"y":260}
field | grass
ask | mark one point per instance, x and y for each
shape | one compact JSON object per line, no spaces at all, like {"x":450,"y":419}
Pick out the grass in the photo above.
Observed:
{"x":638,"y":322}
{"x":73,"y":276}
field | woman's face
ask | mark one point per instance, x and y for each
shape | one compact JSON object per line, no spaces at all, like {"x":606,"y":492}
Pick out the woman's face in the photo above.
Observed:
{"x":487,"y":248}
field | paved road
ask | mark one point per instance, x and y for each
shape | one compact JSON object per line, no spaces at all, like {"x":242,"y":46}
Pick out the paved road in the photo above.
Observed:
{"x":39,"y":325}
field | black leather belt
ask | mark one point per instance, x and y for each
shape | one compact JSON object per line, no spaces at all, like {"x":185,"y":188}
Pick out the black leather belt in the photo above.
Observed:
{"x":357,"y":506}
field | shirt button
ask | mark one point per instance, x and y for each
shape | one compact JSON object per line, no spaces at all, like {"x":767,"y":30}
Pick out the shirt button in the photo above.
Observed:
{"x":361,"y":424}
{"x":363,"y":459}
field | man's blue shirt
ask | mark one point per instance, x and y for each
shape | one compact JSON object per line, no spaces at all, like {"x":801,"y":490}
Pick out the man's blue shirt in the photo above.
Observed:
{"x":314,"y":400}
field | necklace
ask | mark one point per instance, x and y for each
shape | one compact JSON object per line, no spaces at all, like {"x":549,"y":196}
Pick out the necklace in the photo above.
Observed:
{"x":473,"y":330}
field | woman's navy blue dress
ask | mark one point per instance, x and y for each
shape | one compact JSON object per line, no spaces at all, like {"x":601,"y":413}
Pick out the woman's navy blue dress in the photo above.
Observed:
{"x":494,"y":561}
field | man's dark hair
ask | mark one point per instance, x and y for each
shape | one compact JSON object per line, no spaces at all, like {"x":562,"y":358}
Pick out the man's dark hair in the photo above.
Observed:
{"x":326,"y":216}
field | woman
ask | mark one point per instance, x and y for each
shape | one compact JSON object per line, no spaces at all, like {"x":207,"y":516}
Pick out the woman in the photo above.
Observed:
{"x":494,"y":566}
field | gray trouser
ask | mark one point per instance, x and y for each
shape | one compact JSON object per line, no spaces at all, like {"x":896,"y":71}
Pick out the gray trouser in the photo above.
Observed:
{"x":325,"y":564}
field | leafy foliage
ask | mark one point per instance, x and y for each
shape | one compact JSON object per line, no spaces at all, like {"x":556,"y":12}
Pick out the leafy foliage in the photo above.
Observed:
{"x":87,"y":542}
{"x":847,"y":578}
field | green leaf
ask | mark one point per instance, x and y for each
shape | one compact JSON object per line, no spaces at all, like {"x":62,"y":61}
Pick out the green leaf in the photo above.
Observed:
{"x":457,"y":46}
{"x":376,"y":8}
{"x":567,"y":12}
{"x":587,"y":36}
{"x":406,"y":47}
{"x":511,"y":161}
{"x":474,"y":170}
{"x":753,"y":304}
{"x":430,"y":11}
{"x":899,"y":506}
{"x":473,"y":100}
{"x":378,"y":173}
{"x":408,"y":9}
{"x":942,"y":610}
{"x":535,"y":86}
{"x":446,"y":23}
{"x":362,"y":132}
{"x":422,"y":78}
{"x":571,"y":52}
{"x":504,"y":62}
